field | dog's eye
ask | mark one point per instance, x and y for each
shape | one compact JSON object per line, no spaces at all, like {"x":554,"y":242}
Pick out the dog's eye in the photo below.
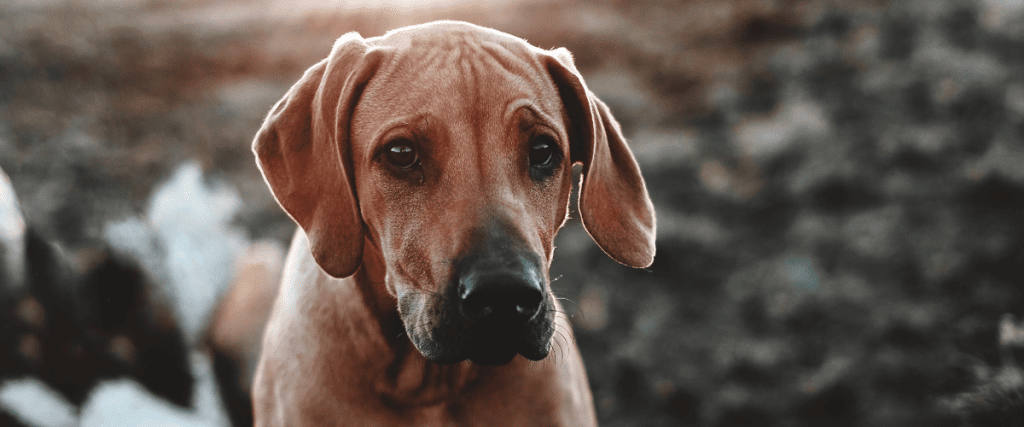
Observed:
{"x":402,"y":154}
{"x":542,"y":151}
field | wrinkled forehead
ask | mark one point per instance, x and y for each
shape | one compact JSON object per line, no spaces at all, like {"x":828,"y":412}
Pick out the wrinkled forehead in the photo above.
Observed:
{"x":460,"y":71}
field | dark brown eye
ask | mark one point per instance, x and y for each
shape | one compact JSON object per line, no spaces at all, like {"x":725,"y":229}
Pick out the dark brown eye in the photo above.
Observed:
{"x":542,"y":151}
{"x":402,"y":155}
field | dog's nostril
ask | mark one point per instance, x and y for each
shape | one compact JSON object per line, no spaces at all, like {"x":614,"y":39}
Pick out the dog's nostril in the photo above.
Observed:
{"x":501,"y":300}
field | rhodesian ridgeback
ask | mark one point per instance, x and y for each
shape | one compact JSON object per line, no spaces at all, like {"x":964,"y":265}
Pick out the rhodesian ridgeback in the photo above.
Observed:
{"x":428,"y":170}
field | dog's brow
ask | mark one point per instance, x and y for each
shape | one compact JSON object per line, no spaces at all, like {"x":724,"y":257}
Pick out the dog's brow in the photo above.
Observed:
{"x":526,"y":113}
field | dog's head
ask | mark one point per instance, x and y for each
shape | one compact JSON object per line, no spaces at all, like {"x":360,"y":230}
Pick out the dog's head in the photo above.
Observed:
{"x":448,"y":148}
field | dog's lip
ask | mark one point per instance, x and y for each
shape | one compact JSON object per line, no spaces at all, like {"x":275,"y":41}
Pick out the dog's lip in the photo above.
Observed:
{"x":492,"y":348}
{"x":493,"y":354}
{"x":498,"y":346}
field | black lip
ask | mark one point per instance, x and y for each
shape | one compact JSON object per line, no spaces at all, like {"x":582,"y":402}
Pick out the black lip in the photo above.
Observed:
{"x":493,"y":355}
{"x":494,"y":350}
{"x":498,"y":347}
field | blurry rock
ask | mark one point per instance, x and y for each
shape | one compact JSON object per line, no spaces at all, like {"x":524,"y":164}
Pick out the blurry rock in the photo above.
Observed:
{"x":761,"y":93}
{"x":691,"y":273}
{"x":626,"y":96}
{"x":801,"y":274}
{"x":793,"y":120}
{"x":754,"y":373}
{"x":998,"y":402}
{"x":1011,"y":340}
{"x":961,"y":27}
{"x":978,"y":113}
{"x":1001,"y":161}
{"x":875,"y":234}
{"x":662,"y":148}
{"x":899,"y":37}
{"x":997,"y":398}
{"x":814,"y":325}
{"x":739,"y":181}
{"x":835,"y":405}
{"x":1001,"y":14}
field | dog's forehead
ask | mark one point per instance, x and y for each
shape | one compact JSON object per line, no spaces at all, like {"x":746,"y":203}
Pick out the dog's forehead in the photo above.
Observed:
{"x":449,"y":35}
{"x":448,"y":65}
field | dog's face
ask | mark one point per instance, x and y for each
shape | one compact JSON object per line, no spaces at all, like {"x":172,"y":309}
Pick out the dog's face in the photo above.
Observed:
{"x":459,"y":144}
{"x":449,"y":147}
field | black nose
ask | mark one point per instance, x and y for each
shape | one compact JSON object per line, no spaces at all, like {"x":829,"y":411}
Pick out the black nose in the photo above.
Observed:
{"x":507,"y":297}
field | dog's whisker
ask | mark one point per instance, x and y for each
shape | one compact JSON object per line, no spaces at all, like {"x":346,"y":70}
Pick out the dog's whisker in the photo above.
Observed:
{"x":563,"y":330}
{"x":558,"y":344}
{"x":561,"y":349}
{"x":582,"y":313}
{"x":564,"y":313}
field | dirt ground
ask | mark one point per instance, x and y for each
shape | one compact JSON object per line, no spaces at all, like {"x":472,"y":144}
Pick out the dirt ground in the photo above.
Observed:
{"x":838,"y":184}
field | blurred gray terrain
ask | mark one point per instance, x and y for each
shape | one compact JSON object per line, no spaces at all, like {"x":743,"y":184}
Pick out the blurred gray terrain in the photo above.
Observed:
{"x":838,"y":184}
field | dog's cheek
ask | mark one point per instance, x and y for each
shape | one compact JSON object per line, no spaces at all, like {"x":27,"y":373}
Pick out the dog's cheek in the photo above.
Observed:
{"x":411,"y":267}
{"x":550,"y":203}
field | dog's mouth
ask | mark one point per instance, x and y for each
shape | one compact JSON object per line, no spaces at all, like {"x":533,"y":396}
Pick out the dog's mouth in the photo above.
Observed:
{"x":493,"y":353}
{"x":499,"y":345}
{"x":445,"y":337}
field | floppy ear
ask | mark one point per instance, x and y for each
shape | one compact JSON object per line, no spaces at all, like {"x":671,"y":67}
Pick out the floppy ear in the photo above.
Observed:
{"x":303,"y":150}
{"x":614,"y":205}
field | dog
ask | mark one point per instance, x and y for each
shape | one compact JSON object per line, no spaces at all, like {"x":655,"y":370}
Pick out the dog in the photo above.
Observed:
{"x":428,"y":170}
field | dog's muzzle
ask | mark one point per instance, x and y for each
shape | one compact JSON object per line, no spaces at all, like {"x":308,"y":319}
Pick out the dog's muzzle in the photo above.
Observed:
{"x":503,"y":307}
{"x":494,"y":306}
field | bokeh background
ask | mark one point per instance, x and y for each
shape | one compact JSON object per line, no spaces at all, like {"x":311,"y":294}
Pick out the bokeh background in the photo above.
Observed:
{"x":839,"y":188}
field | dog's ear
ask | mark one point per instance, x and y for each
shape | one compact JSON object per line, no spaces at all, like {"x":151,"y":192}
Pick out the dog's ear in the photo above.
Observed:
{"x":613,"y":203}
{"x":304,"y":152}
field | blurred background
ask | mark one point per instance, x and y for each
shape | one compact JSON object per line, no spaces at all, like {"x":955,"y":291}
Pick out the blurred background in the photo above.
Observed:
{"x":839,"y":188}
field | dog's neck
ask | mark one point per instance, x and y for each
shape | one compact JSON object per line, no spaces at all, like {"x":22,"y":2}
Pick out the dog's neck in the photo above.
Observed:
{"x":407,"y":378}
